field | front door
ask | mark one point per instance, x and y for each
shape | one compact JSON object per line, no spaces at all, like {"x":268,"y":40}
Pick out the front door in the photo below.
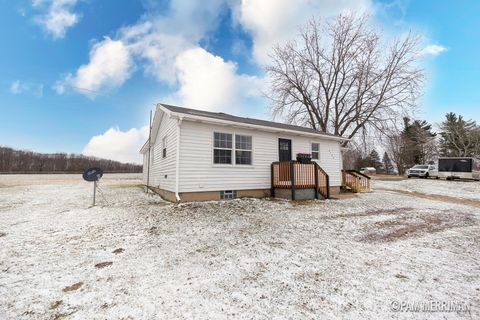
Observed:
{"x":284,"y":149}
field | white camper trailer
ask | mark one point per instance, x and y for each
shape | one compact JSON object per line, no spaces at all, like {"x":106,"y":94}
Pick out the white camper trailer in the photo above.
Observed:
{"x":459,"y":168}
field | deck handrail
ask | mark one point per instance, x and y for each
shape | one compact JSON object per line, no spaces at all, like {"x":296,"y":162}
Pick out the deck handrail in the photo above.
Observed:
{"x":323,"y":188}
{"x":359,"y":173}
{"x":356,"y":181}
{"x":297,"y":175}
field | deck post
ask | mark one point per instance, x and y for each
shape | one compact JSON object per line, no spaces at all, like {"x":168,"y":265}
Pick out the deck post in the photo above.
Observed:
{"x":316,"y":179}
{"x":272,"y":192}
{"x":328,"y":186}
{"x":292,"y":177}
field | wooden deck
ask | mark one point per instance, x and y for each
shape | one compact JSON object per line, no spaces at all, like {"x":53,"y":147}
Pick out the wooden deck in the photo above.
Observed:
{"x":356,"y":181}
{"x":295,"y":175}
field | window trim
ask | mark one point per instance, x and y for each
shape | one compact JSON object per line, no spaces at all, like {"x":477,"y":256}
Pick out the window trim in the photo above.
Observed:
{"x":233,"y":149}
{"x":248,"y":150}
{"x":232,"y":154}
{"x":164,"y":147}
{"x":311,"y":150}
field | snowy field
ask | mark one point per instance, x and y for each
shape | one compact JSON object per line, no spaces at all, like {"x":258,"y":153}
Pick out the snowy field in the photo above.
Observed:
{"x":135,"y":256}
{"x":466,"y":189}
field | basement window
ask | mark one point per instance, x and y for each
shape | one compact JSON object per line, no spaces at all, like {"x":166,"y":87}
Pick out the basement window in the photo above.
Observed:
{"x":228,"y":194}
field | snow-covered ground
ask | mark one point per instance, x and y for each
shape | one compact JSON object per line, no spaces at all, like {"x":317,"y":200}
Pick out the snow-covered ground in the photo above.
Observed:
{"x":462,"y":189}
{"x":137,"y":257}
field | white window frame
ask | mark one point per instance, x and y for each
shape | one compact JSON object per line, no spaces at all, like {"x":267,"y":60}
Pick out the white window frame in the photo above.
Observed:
{"x":312,"y":151}
{"x":249,"y":150}
{"x":164,"y":147}
{"x":232,"y":154}
{"x":233,"y":149}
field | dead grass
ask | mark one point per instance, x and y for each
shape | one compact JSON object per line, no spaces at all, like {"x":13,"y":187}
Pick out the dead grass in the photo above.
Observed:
{"x":73,"y":287}
{"x":56,"y":304}
{"x":103,"y":264}
{"x":385,"y":177}
{"x":377,"y":212}
{"x":406,"y":226}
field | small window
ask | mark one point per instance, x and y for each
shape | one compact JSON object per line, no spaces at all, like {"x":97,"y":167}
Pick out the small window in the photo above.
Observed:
{"x":315,"y":151}
{"x":243,"y":149}
{"x":222,"y":148}
{"x":228,"y":194}
{"x":164,"y":147}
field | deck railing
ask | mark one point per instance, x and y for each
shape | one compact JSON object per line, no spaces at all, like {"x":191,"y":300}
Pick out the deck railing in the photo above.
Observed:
{"x":356,"y":181}
{"x":295,"y":175}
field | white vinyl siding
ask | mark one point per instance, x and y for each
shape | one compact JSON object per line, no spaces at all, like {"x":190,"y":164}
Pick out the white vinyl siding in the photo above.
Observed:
{"x":199,"y":173}
{"x":162,"y":171}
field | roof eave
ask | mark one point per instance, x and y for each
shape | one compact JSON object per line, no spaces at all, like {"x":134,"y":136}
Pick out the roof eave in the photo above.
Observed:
{"x":187,"y":116}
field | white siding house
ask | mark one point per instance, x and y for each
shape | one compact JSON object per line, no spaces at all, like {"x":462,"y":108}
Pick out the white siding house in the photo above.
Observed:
{"x":196,"y":155}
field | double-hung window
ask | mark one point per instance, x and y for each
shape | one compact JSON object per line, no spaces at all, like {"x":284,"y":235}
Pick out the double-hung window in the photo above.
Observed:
{"x":315,"y":151}
{"x":243,"y":149}
{"x":226,"y":149}
{"x":222,"y":148}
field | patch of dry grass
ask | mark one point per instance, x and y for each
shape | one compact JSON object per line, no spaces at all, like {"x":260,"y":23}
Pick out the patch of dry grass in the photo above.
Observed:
{"x":411,"y":225}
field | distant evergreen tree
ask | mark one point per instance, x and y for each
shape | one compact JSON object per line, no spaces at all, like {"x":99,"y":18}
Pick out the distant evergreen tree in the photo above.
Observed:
{"x":419,"y":142}
{"x":387,"y":164}
{"x":373,"y":160}
{"x":459,"y":137}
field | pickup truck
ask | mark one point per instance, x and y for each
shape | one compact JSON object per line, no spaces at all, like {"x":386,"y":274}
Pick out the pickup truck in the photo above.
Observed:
{"x":423,"y":171}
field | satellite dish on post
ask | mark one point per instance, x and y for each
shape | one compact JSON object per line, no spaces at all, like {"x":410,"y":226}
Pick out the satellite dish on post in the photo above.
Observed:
{"x":93,"y":175}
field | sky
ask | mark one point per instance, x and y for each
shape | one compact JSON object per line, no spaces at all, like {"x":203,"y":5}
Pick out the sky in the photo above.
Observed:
{"x":81,"y":76}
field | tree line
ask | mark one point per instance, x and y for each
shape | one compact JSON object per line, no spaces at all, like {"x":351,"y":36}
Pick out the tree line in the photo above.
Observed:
{"x":417,"y":143}
{"x":23,"y":161}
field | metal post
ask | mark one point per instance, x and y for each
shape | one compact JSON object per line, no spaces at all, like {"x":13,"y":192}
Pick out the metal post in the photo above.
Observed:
{"x":149,"y":147}
{"x":94,"y":191}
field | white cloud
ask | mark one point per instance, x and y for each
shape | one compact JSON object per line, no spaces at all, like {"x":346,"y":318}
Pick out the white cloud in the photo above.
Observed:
{"x":433,"y":50}
{"x":18,"y":87}
{"x":154,"y":43}
{"x":272,"y":22}
{"x":208,"y":81}
{"x":118,"y":145}
{"x":109,"y":66}
{"x":59,"y":16}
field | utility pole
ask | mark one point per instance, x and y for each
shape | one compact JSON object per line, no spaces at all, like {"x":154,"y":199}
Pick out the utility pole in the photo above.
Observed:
{"x":149,"y":146}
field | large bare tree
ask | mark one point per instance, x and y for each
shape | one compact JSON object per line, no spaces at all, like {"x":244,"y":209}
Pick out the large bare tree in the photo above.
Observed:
{"x":341,"y":77}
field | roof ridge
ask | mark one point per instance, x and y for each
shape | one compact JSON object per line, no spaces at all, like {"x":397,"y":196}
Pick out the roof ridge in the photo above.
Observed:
{"x":247,"y":120}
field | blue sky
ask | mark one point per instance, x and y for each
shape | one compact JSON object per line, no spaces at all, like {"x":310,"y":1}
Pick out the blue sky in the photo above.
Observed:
{"x":81,"y":75}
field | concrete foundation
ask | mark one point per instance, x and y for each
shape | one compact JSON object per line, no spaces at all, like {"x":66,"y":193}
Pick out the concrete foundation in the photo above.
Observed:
{"x":300,"y":194}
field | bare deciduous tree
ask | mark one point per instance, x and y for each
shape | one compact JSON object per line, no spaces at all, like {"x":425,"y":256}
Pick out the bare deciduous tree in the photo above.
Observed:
{"x":340,"y":78}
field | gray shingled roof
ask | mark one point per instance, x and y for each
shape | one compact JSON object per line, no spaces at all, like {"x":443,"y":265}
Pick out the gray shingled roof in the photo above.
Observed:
{"x":258,"y":122}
